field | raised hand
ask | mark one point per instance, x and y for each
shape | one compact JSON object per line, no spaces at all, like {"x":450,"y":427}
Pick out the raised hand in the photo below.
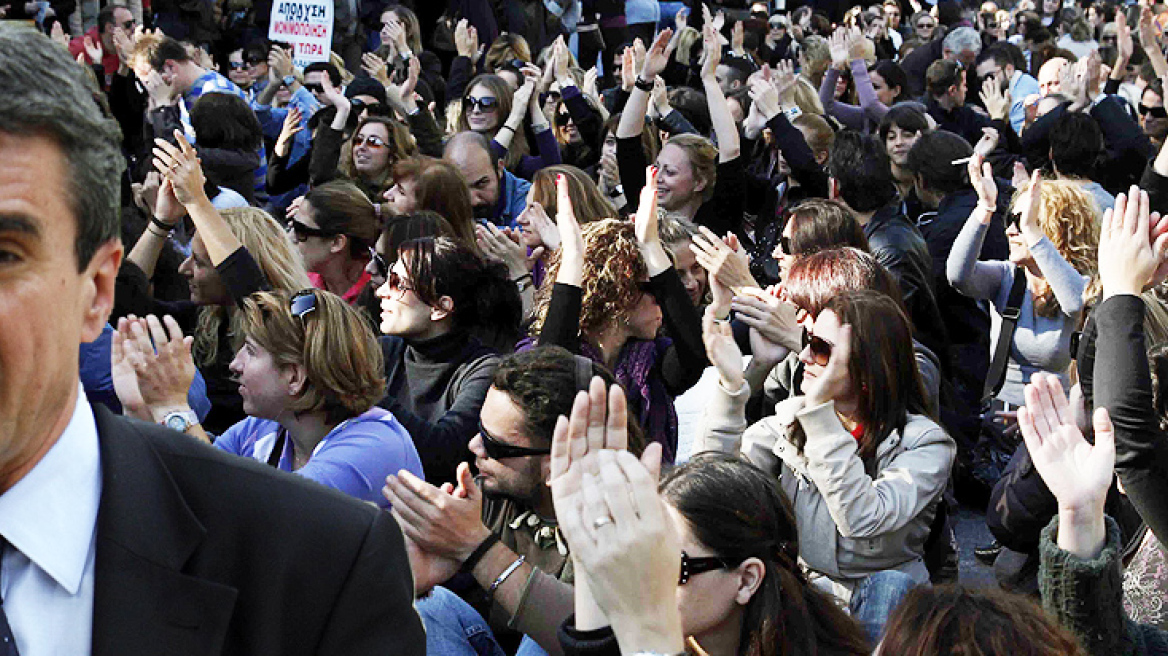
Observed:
{"x":466,"y":40}
{"x":1129,"y":260}
{"x":656,"y":57}
{"x":729,"y":266}
{"x":711,"y":52}
{"x":539,"y":231}
{"x":997,"y":102}
{"x":571,"y":269}
{"x":628,"y":70}
{"x":376,"y":68}
{"x":981,"y":176}
{"x":292,"y":125}
{"x":764,"y":97}
{"x":774,"y":319}
{"x":1077,"y":473}
{"x":784,"y":78}
{"x":722,"y":350}
{"x":1028,"y":224}
{"x":838,"y":46}
{"x":93,"y":49}
{"x":737,"y":38}
{"x":497,"y":246}
{"x":835,"y":379}
{"x":180,"y":165}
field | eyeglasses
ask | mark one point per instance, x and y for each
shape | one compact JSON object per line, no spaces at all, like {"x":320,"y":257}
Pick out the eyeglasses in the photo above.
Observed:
{"x":820,"y":348}
{"x":497,"y":450}
{"x":1154,"y":112}
{"x":926,"y":26}
{"x":302,"y":303}
{"x":370,"y":141}
{"x":379,"y":264}
{"x":396,"y":284}
{"x":302,"y":232}
{"x":237,"y":66}
{"x":484,"y":104}
{"x":691,"y":567}
{"x":315,"y":87}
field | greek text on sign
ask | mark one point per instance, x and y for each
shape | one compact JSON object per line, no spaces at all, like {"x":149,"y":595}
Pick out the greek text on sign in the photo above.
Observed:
{"x":305,"y":24}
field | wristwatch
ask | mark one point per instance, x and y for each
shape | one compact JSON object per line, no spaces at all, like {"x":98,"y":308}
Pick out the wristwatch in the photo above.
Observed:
{"x":180,"y":420}
{"x":289,"y":80}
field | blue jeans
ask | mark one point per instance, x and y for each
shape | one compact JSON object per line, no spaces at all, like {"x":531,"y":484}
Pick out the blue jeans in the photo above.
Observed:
{"x":453,"y":628}
{"x":875,"y":599}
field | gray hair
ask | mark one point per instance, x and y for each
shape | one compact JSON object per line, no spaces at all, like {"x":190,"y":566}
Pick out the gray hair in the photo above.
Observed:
{"x":962,"y":39}
{"x":47,"y":94}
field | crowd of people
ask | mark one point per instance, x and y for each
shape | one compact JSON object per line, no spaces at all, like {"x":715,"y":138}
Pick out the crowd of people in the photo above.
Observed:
{"x":639,"y":327}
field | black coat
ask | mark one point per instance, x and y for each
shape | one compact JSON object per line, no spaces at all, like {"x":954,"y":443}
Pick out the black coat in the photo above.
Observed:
{"x":202,"y":552}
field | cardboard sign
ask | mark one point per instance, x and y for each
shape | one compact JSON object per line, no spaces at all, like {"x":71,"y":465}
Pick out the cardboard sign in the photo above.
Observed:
{"x":306,"y":25}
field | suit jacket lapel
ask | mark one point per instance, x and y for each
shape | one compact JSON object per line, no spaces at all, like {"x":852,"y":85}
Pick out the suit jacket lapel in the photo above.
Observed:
{"x":146,"y":533}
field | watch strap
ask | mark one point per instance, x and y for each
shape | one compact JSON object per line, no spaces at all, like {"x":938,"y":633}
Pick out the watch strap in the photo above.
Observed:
{"x":643,"y":84}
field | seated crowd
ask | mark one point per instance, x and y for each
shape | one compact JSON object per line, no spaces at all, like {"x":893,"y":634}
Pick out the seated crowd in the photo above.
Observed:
{"x":687,"y":331}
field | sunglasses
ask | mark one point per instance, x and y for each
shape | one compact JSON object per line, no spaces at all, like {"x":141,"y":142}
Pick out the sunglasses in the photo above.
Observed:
{"x":691,"y":567}
{"x":302,"y":232}
{"x":785,"y":244}
{"x":497,"y":450}
{"x":820,"y":348}
{"x":1014,"y":221}
{"x":395,"y":283}
{"x":128,"y":25}
{"x":379,"y":264}
{"x":370,"y":141}
{"x":238,"y":66}
{"x":1155,"y":112}
{"x":315,"y":87}
{"x":302,"y":303}
{"x":484,"y":104}
{"x":563,"y":119}
{"x":926,"y":26}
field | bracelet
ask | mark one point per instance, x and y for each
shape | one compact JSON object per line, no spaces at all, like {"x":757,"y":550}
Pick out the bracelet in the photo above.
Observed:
{"x":506,"y":573}
{"x":520,"y":279}
{"x":162,"y":224}
{"x":475,"y":556}
{"x":643,"y":85}
{"x":508,"y":127}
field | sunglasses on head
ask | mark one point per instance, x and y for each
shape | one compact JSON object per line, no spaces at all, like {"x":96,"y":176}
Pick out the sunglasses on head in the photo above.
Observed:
{"x":820,"y":348}
{"x":691,"y":567}
{"x":302,"y":232}
{"x":484,"y":104}
{"x":302,"y":303}
{"x":1154,"y":112}
{"x":369,"y":141}
{"x":497,"y":450}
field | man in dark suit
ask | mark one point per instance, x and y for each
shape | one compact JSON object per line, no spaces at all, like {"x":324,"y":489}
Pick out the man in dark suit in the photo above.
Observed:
{"x":121,"y":538}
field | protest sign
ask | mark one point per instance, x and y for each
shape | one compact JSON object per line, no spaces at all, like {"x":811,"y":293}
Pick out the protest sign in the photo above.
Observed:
{"x":307,"y":25}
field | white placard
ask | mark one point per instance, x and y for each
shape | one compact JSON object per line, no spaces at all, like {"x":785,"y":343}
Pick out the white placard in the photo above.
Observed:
{"x":305,"y":24}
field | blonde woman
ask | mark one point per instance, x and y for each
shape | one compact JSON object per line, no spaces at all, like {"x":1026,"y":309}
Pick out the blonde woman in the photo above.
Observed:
{"x":1053,"y":235}
{"x":232,"y":255}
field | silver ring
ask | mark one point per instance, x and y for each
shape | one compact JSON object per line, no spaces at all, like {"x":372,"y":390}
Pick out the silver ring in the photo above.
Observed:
{"x":601,"y":521}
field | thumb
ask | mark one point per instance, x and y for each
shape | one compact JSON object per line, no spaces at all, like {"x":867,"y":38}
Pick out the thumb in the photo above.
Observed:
{"x":466,"y":483}
{"x":1104,"y":430}
{"x":651,"y":459}
{"x":537,"y":253}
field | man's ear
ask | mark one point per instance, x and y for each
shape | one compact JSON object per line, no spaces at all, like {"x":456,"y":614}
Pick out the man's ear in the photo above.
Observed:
{"x":442,"y":309}
{"x":339,"y":244}
{"x":500,"y":170}
{"x":98,"y":281}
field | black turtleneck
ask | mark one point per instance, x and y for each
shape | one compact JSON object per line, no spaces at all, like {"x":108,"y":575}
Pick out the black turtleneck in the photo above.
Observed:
{"x":436,"y":388}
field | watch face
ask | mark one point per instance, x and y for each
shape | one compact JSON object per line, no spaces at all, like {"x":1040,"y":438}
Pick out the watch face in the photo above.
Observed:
{"x":176,"y":423}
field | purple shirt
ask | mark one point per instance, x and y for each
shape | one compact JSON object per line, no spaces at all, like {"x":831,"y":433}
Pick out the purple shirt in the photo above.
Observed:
{"x":354,"y":458}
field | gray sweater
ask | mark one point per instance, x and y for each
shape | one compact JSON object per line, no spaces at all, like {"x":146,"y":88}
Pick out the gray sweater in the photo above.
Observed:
{"x":1040,"y":343}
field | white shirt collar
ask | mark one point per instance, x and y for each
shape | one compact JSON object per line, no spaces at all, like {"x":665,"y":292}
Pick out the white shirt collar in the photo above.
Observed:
{"x":50,"y":515}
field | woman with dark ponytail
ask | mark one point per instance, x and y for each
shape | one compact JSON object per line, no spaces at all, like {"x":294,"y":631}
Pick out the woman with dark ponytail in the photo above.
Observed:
{"x":757,"y":602}
{"x":443,"y":310}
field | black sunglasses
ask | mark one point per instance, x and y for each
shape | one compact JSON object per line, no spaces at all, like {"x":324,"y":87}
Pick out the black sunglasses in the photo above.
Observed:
{"x":302,"y":303}
{"x":785,"y":244}
{"x":497,"y":450}
{"x":315,"y":87}
{"x":303,"y":232}
{"x":563,"y":119}
{"x":1156,"y":112}
{"x":485,"y":104}
{"x":820,"y":348}
{"x":693,"y":566}
{"x":1015,"y":220}
{"x":237,"y":66}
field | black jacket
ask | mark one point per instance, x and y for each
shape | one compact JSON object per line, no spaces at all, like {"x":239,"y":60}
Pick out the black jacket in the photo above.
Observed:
{"x":202,"y":552}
